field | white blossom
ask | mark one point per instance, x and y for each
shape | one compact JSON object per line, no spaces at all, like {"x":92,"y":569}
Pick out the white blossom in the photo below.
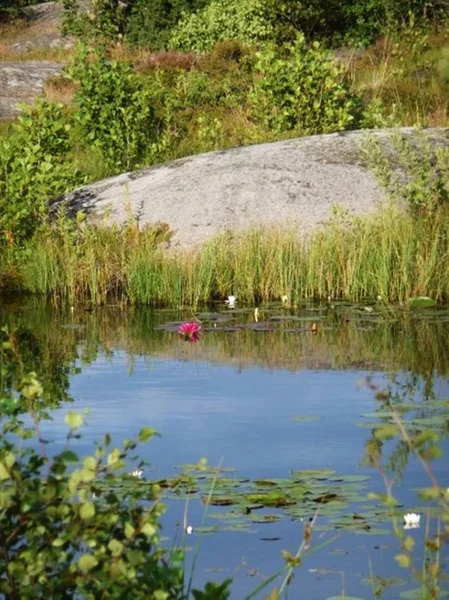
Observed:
{"x":411,"y":521}
{"x":230,"y":301}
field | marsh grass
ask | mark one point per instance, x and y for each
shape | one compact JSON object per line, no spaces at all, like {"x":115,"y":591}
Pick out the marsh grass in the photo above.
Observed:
{"x":391,"y":255}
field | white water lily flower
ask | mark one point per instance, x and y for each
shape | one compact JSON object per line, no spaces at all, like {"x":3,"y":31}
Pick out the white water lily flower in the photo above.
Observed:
{"x":411,"y":521}
{"x":231,"y":300}
{"x":189,"y":529}
{"x":137,"y":473}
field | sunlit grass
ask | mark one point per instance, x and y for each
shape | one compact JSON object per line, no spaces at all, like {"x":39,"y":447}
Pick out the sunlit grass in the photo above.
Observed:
{"x":389,"y":255}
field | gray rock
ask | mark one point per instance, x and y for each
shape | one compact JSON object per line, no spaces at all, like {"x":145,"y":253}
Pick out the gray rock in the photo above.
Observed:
{"x":296,"y":183}
{"x":22,"y":81}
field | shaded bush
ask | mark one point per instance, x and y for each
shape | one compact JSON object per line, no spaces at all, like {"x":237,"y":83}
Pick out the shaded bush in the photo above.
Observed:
{"x":150,"y":23}
{"x":336,"y":22}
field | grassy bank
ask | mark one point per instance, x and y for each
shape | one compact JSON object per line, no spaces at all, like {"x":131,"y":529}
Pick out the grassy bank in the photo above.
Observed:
{"x":391,"y":254}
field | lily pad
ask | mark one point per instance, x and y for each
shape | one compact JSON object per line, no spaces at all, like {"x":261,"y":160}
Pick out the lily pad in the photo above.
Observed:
{"x":419,"y":594}
{"x":421,"y":302}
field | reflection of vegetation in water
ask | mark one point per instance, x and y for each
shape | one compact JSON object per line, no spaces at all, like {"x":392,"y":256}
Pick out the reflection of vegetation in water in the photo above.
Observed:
{"x":56,"y":344}
{"x":405,"y":428}
{"x":347,"y":336}
{"x":424,"y":417}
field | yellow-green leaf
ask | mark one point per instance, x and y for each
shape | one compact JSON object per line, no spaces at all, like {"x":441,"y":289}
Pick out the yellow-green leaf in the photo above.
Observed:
{"x":129,"y":530}
{"x":87,"y":562}
{"x":149,"y":530}
{"x":115,"y":547}
{"x":4,"y":474}
{"x":403,"y":560}
{"x":90,"y":463}
{"x":87,"y":510}
{"x":74,"y":420}
{"x":409,"y":543}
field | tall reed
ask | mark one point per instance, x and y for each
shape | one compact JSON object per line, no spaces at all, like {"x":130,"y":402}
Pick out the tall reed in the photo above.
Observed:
{"x":389,"y":254}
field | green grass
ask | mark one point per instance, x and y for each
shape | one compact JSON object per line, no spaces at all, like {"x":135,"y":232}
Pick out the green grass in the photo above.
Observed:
{"x":389,"y":254}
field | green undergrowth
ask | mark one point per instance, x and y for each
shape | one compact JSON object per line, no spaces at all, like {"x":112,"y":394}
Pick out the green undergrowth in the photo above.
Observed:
{"x":390,"y":255}
{"x":120,"y":109}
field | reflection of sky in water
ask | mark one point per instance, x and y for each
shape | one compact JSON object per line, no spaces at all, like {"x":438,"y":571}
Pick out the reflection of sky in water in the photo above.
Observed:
{"x":245,"y":419}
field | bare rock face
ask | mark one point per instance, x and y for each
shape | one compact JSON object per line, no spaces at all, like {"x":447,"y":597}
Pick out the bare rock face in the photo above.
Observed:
{"x":294,"y":183}
{"x":42,"y":30}
{"x":22,"y":81}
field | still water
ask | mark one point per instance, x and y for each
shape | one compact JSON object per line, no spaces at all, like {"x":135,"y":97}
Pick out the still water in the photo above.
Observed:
{"x":266,"y":401}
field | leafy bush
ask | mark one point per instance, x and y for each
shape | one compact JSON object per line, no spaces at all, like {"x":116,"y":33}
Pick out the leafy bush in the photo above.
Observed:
{"x":247,"y":21}
{"x":337,"y":22}
{"x":34,"y":166}
{"x":143,"y":23}
{"x":107,"y":20}
{"x":72,"y":528}
{"x":113,"y":110}
{"x":151,"y":23}
{"x":302,"y":90}
{"x":421,"y":179}
{"x":75,"y":530}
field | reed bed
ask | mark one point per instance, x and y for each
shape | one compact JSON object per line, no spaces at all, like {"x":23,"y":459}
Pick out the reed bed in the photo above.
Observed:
{"x":390,"y":254}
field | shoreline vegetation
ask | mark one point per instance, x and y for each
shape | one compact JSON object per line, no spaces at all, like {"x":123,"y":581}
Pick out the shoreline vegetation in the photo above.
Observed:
{"x":389,"y":256}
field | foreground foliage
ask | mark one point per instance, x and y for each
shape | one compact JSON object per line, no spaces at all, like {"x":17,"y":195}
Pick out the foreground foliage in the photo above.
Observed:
{"x":57,"y":539}
{"x":66,"y":531}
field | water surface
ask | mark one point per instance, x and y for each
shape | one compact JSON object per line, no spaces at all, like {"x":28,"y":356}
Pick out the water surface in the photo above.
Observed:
{"x":265,"y":399}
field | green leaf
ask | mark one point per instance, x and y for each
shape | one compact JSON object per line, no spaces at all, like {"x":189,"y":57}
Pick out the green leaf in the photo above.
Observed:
{"x":430,"y":493}
{"x":87,"y":562}
{"x":403,"y":560}
{"x":69,"y":457}
{"x":4,"y":474}
{"x":129,"y":531}
{"x":58,"y":542}
{"x":421,"y":302}
{"x":115,"y":547}
{"x":87,"y":510}
{"x":74,"y":420}
{"x":90,"y":463}
{"x":149,"y":530}
{"x":146,"y":433}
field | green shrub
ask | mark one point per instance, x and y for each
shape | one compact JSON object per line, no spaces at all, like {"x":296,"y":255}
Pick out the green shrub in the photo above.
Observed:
{"x":71,"y":528}
{"x":337,"y":22}
{"x":421,"y":180}
{"x":302,"y":90}
{"x":247,"y":21}
{"x":151,"y":23}
{"x":113,"y":110}
{"x":106,"y":20}
{"x":34,"y":166}
{"x":75,"y":527}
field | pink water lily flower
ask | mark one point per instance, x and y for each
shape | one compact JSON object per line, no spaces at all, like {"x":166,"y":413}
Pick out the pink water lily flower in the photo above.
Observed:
{"x":189,"y":331}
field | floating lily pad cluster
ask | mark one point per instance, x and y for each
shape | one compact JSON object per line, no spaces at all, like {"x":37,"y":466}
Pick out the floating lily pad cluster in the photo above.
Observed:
{"x":340,"y":500}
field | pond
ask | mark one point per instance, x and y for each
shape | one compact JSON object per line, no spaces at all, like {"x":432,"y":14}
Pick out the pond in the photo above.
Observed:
{"x":267,"y":424}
